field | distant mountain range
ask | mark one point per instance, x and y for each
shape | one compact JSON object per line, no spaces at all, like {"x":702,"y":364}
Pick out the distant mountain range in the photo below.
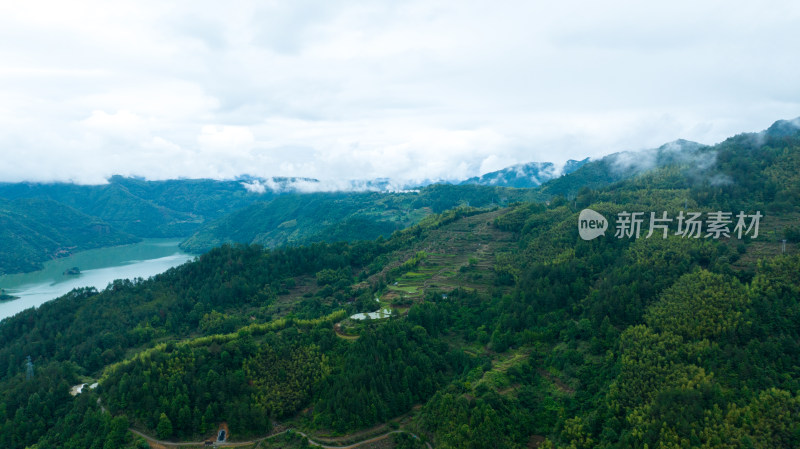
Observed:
{"x":627,"y":164}
{"x":521,"y":176}
{"x":302,"y":218}
{"x":532,"y":174}
{"x":44,"y":221}
{"x":593,"y":173}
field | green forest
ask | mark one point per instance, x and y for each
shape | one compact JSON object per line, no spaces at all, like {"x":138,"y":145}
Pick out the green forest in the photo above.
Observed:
{"x":507,"y":330}
{"x":41,"y":222}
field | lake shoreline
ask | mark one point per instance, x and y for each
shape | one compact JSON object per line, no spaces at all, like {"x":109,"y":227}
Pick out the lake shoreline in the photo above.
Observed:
{"x":97,"y":268}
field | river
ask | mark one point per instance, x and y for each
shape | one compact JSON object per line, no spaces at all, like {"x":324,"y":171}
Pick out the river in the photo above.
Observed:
{"x":98,"y":267}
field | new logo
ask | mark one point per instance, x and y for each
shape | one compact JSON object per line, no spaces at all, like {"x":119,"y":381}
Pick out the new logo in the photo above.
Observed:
{"x":591,"y":224}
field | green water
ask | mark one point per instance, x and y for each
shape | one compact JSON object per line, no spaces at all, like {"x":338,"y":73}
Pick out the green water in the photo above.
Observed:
{"x":98,"y":268}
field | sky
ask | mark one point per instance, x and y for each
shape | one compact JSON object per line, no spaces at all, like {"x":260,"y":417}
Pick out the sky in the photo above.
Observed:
{"x":411,"y":90}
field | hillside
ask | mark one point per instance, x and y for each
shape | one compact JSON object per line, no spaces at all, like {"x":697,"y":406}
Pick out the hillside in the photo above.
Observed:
{"x":531,"y":174}
{"x":34,"y":230}
{"x":297,"y":219}
{"x":506,"y":330}
{"x":42,"y":221}
{"x":251,"y":210}
{"x":144,"y":208}
{"x":628,"y":164}
{"x":272,"y":212}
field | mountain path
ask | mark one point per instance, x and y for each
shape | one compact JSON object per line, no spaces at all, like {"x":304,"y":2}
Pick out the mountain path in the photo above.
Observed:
{"x":151,"y":440}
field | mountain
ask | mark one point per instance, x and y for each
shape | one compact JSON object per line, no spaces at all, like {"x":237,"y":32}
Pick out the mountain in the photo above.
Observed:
{"x":506,"y":329}
{"x":627,"y":164}
{"x":781,"y":128}
{"x":532,"y":174}
{"x":144,"y":208}
{"x":43,"y":221}
{"x":297,"y":219}
{"x":273,"y":212}
{"x":252,"y":210}
{"x":279,"y":185}
{"x":528,"y":175}
{"x":36,"y":230}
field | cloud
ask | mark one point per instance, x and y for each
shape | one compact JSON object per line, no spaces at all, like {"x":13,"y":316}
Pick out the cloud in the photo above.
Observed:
{"x":493,"y":162}
{"x":123,"y":124}
{"x":308,"y":185}
{"x":697,"y":157}
{"x":351,"y":90}
{"x":720,"y":180}
{"x":225,"y":138}
{"x":629,"y":162}
{"x":254,"y":186}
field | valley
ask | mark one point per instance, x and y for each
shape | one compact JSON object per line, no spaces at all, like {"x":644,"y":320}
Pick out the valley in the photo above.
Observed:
{"x":506,"y":328}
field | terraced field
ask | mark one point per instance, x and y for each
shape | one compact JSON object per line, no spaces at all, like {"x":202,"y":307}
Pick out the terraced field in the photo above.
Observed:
{"x":459,"y":255}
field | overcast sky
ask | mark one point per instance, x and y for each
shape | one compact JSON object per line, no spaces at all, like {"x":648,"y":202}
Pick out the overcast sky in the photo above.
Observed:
{"x":357,"y":90}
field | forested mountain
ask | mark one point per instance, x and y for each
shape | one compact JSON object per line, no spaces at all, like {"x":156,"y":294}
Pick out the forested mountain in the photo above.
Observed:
{"x":274,"y":211}
{"x":144,"y":208}
{"x":627,"y":164}
{"x":304,"y":218}
{"x":45,"y":221}
{"x":507,"y":329}
{"x":531,"y":174}
{"x":33,"y":230}
{"x":249,"y":210}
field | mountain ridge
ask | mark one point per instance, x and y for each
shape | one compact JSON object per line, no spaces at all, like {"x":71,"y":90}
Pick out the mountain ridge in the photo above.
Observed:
{"x":192,"y":208}
{"x":530,"y":174}
{"x":506,"y":329}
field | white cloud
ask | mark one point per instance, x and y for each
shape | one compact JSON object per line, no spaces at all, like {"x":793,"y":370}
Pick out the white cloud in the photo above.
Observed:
{"x":255,"y":186}
{"x":225,"y":138}
{"x":120,"y":123}
{"x":410,"y":90}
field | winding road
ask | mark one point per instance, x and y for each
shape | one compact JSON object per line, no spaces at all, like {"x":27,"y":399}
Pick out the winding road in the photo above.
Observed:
{"x":246,"y":443}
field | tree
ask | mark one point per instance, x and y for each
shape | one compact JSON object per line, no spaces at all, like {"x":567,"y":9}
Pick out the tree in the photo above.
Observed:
{"x":164,"y":428}
{"x":118,"y":433}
